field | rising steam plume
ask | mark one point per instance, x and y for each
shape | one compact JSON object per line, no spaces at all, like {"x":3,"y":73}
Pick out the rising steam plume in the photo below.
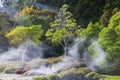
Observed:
{"x":28,"y":51}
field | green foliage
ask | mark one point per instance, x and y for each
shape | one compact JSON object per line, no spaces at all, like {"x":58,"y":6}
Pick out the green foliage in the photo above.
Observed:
{"x":40,"y":78}
{"x":27,"y":11}
{"x":35,"y":33}
{"x":21,"y":33}
{"x":36,"y":78}
{"x":90,"y":33}
{"x":108,"y":11}
{"x":48,"y":77}
{"x":117,"y":30}
{"x":104,"y":19}
{"x":110,"y":77}
{"x":17,"y":35}
{"x":30,"y":20}
{"x":83,"y":11}
{"x":3,"y":40}
{"x":107,"y":37}
{"x":6,"y":22}
{"x":92,"y":30}
{"x":87,"y":10}
{"x":97,"y":77}
{"x":114,"y":21}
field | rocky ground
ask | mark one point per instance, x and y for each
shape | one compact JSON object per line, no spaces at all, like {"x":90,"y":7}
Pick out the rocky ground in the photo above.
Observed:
{"x":4,"y":76}
{"x":60,"y":68}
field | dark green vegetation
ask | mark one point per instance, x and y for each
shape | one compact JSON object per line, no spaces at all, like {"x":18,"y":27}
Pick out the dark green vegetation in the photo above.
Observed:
{"x":110,"y":77}
{"x":57,"y":27}
{"x":82,"y":73}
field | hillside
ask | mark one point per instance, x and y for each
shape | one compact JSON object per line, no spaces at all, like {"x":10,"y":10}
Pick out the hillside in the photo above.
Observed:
{"x":59,"y":39}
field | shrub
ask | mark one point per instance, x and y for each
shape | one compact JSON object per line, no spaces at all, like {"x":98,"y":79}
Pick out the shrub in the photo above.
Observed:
{"x":67,"y":71}
{"x":21,"y":33}
{"x":90,"y":75}
{"x":2,"y":68}
{"x":40,"y":78}
{"x":83,"y":71}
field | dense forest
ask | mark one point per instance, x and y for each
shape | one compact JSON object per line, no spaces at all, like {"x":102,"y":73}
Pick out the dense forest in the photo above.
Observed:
{"x":57,"y":23}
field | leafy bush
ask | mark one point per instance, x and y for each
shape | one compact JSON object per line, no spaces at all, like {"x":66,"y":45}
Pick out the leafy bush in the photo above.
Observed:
{"x":2,"y":68}
{"x":90,"y":75}
{"x":83,"y":70}
{"x":48,"y":77}
{"x":65,"y":71}
{"x":27,"y":10}
{"x":40,"y":78}
{"x":21,"y":33}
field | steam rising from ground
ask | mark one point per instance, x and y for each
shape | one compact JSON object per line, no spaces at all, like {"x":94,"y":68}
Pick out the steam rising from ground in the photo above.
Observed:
{"x":25,"y":52}
{"x":73,"y":50}
{"x":65,"y":62}
{"x":29,"y":51}
{"x":100,"y":57}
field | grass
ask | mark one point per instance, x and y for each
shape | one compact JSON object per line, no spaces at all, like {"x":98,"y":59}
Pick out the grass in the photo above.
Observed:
{"x":52,"y":60}
{"x":111,"y":77}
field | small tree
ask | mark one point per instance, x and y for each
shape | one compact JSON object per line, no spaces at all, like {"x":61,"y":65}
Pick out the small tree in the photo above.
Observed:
{"x":21,"y":33}
{"x":63,"y":28}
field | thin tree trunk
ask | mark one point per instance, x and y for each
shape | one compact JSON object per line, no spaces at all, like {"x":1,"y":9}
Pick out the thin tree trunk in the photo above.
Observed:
{"x":64,"y":47}
{"x":65,"y":50}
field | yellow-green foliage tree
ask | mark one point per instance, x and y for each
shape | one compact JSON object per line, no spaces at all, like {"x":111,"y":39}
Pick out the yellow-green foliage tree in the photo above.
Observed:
{"x":27,"y":10}
{"x":21,"y":33}
{"x":63,"y":28}
{"x":109,"y":38}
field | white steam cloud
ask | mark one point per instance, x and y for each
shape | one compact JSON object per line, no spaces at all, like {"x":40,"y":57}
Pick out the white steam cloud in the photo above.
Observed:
{"x":25,"y":52}
{"x":70,"y":60}
{"x":100,"y":57}
{"x":73,"y":50}
{"x":66,"y":62}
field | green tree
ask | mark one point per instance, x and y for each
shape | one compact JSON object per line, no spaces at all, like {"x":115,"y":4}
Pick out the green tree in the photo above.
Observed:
{"x":109,"y":38}
{"x":92,"y":30}
{"x":104,"y":19}
{"x":21,"y":33}
{"x":63,"y":28}
{"x":36,"y":20}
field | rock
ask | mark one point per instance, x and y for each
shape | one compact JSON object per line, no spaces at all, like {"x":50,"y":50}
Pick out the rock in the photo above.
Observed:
{"x":20,"y":70}
{"x":33,"y":73}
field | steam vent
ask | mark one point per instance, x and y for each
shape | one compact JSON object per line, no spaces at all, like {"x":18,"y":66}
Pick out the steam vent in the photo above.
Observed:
{"x":59,"y":40}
